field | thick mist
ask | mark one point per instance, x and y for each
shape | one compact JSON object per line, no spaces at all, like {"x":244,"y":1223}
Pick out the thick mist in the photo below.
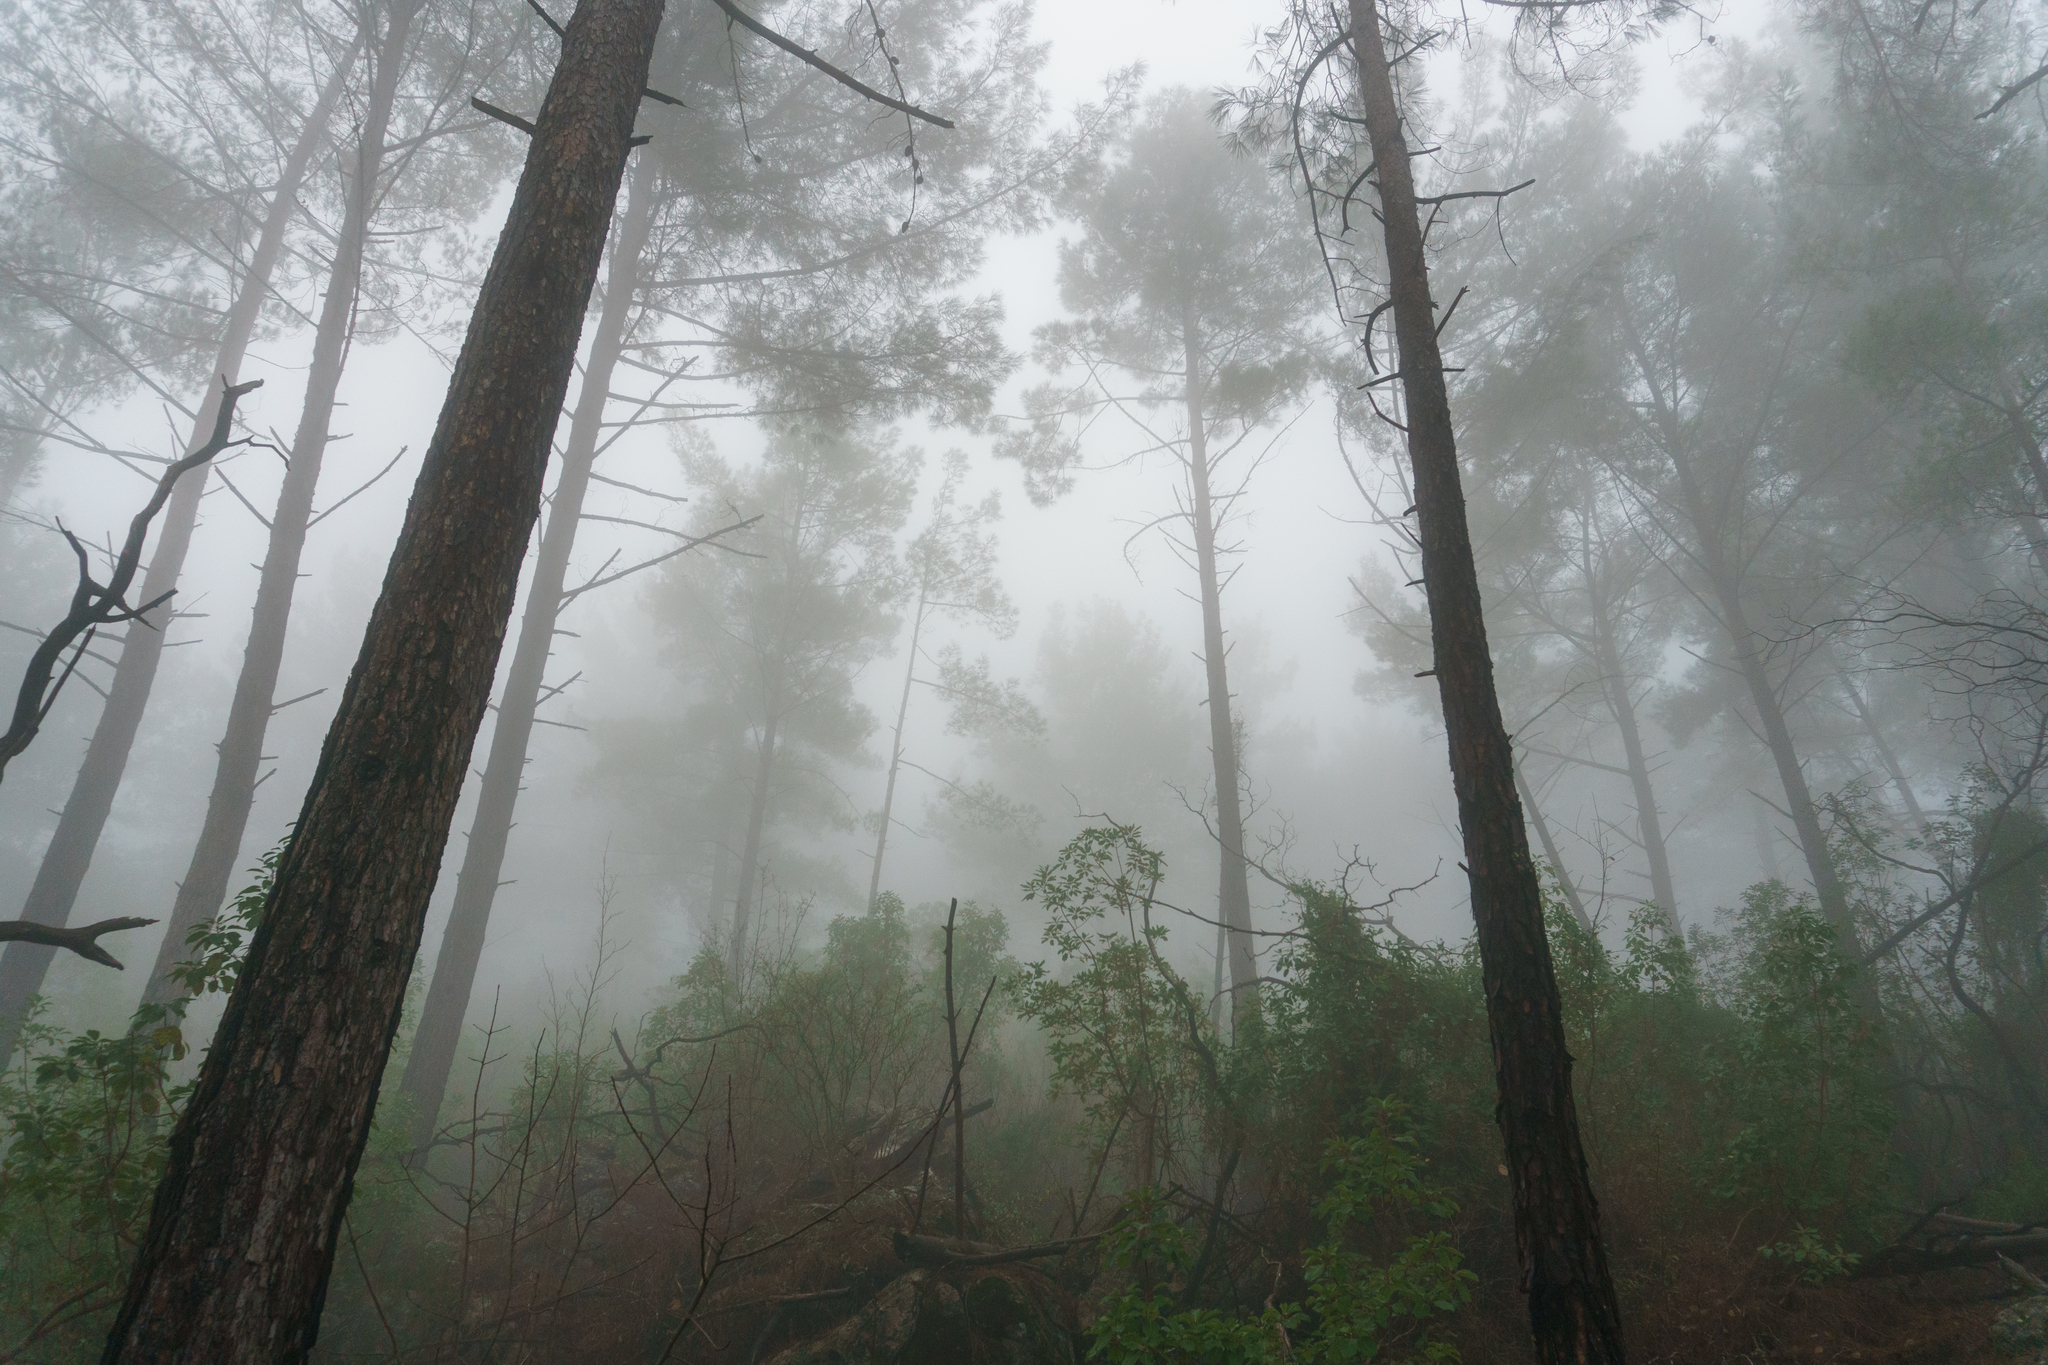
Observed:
{"x":921,"y":498}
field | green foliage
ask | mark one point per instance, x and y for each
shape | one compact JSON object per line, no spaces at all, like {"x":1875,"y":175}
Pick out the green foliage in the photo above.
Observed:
{"x":86,"y":1120}
{"x":1807,"y":1253}
{"x":1355,"y":1309}
{"x":1800,"y":1076}
{"x":1117,"y":1020}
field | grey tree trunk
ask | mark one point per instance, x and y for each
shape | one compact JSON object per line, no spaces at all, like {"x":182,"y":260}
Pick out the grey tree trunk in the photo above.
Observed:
{"x":1543,"y":836}
{"x":896,"y":750}
{"x":1573,"y":1314}
{"x":439,"y":1036}
{"x":1233,"y":896}
{"x":63,"y":868}
{"x":1649,"y":825}
{"x":205,"y":885}
{"x":1724,"y":581}
{"x":242,"y":1234}
{"x":1886,"y":755}
{"x":750,"y":855}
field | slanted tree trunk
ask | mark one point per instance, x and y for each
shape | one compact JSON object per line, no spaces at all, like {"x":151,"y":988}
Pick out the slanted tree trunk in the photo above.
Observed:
{"x":62,"y":871}
{"x":205,"y":886}
{"x":1233,"y":896}
{"x":896,"y":747}
{"x":1534,"y":809}
{"x":1886,"y":755}
{"x":242,"y":1234}
{"x":439,"y":1036}
{"x":1572,"y":1308}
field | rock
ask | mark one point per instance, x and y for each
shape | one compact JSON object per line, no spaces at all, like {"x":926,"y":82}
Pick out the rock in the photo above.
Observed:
{"x":2022,"y":1329}
{"x":996,"y":1315}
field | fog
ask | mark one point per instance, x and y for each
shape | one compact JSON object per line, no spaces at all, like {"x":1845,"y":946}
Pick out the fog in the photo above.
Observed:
{"x":1748,"y":387}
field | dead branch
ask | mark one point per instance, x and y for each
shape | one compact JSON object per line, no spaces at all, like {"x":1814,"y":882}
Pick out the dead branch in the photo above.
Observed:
{"x":810,"y":58}
{"x":82,"y":940}
{"x":2008,"y":93}
{"x":94,"y":604}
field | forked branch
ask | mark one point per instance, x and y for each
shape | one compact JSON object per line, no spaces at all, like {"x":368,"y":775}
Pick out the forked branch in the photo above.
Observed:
{"x":95,"y":604}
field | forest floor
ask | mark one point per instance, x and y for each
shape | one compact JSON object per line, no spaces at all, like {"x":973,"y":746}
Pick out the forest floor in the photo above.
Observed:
{"x":1943,"y":1318}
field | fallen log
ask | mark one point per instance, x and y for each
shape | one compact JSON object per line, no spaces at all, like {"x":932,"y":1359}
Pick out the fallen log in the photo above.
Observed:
{"x":917,"y":1249}
{"x":1908,"y":1260}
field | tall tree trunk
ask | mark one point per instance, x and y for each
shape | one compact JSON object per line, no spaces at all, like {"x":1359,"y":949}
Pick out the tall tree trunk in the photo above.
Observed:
{"x":1886,"y":755}
{"x":219,"y":847}
{"x":1649,"y":825}
{"x":1572,"y":1308}
{"x":439,"y":1036}
{"x":1233,"y":895}
{"x":242,"y":1234}
{"x":896,"y":750}
{"x":62,"y":871}
{"x":750,"y":855}
{"x":1534,"y":810}
{"x":1724,"y":582}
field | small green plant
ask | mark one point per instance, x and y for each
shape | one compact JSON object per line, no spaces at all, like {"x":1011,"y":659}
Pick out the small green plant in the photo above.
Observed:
{"x":1809,"y":1254}
{"x":86,"y":1119}
{"x":1355,"y":1311}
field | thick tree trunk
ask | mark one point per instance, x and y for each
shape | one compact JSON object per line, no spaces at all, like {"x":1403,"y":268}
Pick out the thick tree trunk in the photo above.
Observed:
{"x":234,"y":1266}
{"x":439,"y":1036}
{"x":62,"y":871}
{"x":896,"y":750}
{"x":1572,"y":1308}
{"x":205,"y":886}
{"x":1233,"y":895}
{"x":750,"y":855}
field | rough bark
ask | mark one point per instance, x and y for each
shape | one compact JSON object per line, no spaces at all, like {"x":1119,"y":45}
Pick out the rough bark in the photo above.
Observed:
{"x":234,"y":1265}
{"x":55,"y":890}
{"x":439,"y":1036}
{"x":1572,"y":1308}
{"x":896,"y":748}
{"x":1233,"y":896}
{"x":219,"y":846}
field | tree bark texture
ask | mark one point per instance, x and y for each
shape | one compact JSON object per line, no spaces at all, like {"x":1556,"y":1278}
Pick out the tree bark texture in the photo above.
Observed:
{"x":1572,"y":1308}
{"x":1233,"y":895}
{"x":219,"y":847}
{"x":242,"y":1234}
{"x":439,"y":1037}
{"x":62,"y":871}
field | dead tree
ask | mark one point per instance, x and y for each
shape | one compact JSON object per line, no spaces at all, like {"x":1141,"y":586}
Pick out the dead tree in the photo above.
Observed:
{"x":95,"y":604}
{"x":64,"y":864}
{"x":205,"y":884}
{"x":1572,"y":1307}
{"x":243,"y":1231}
